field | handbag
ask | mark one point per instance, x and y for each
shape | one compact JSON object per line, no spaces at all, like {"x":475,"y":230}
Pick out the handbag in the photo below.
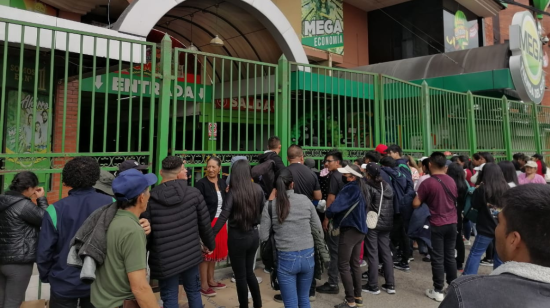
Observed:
{"x":372,"y":216}
{"x":268,"y":252}
{"x":336,"y":231}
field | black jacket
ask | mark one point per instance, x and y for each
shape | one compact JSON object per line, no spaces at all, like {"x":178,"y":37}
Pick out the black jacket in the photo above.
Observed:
{"x":385,"y":217}
{"x":179,"y":221}
{"x":20,"y":221}
{"x":485,"y":224}
{"x":208,"y":191}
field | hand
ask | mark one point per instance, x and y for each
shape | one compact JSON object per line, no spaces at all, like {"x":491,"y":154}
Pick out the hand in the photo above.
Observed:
{"x":145,"y":225}
{"x":39,"y":192}
{"x":206,"y":250}
{"x":325,"y":224}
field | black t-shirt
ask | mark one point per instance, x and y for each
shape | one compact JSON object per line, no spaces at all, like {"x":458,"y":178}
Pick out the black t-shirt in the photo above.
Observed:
{"x":335,"y":183}
{"x":305,"y":180}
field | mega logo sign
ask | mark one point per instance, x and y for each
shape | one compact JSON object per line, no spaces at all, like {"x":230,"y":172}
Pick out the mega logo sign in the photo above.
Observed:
{"x":526,"y":62}
{"x":323,"y":25}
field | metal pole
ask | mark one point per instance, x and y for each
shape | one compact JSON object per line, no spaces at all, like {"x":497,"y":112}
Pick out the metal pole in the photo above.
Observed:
{"x":507,"y":130}
{"x":163,"y":115}
{"x":471,"y":124}
{"x":538,"y":143}
{"x":282,"y":115}
{"x":427,"y":131}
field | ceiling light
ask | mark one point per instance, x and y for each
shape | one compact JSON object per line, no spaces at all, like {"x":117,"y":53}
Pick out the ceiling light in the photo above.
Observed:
{"x":216,"y":41}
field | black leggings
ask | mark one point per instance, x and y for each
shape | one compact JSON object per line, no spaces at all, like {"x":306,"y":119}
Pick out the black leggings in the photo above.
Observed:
{"x":242,"y":251}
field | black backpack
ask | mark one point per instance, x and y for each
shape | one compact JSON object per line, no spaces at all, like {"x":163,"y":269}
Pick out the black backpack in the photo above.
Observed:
{"x":268,"y":251}
{"x":264,"y":175}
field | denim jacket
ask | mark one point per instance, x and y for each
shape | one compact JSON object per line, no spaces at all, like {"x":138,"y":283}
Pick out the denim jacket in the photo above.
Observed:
{"x":511,"y":285}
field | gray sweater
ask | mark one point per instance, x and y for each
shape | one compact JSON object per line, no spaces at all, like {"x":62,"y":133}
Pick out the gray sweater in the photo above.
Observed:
{"x":294,"y":234}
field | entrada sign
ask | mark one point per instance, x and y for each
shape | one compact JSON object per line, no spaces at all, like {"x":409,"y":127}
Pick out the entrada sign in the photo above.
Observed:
{"x":114,"y":83}
{"x":526,"y":62}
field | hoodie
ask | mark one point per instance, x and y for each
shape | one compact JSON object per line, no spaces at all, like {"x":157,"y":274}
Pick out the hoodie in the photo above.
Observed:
{"x":511,"y":285}
{"x":348,"y":196}
{"x":179,"y":222}
{"x":279,"y":165}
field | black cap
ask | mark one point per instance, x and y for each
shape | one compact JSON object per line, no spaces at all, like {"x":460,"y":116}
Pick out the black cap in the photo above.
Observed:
{"x":130,"y":164}
{"x":373,"y":169}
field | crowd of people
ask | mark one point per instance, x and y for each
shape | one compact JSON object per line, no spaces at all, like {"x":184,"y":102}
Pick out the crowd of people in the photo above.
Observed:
{"x":102,"y":244}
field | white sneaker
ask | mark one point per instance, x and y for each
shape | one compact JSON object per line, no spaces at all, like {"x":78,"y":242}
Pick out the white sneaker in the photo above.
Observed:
{"x":266,"y":271}
{"x":436,"y":296}
{"x":363,"y":263}
{"x":259,"y":279}
{"x":233,"y":279}
{"x":467,"y":243}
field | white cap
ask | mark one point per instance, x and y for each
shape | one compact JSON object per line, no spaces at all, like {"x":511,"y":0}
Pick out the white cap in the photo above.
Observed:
{"x":424,"y":157}
{"x":347,"y":169}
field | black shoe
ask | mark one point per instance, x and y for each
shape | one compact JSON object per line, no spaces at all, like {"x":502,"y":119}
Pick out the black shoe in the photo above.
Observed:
{"x":365,"y":275}
{"x":402,"y":266}
{"x":327,"y":288}
{"x":278,"y":298}
{"x":486,"y":262}
{"x":390,"y":289}
{"x":343,"y":305}
{"x":368,"y":289}
{"x":359,"y":302}
{"x":427,"y":259}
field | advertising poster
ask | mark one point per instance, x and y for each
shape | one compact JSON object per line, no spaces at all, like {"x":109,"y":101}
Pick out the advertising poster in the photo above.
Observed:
{"x":32,"y":130}
{"x":323,"y":25}
{"x":460,"y":33}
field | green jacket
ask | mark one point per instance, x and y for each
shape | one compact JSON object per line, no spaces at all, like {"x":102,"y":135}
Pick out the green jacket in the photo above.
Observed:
{"x":321,"y":254}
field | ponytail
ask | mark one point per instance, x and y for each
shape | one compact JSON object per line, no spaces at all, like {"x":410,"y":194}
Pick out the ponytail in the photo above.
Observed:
{"x":282,"y":184}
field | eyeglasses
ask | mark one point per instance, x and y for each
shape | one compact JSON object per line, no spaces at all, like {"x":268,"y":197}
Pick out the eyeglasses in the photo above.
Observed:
{"x":329,"y":161}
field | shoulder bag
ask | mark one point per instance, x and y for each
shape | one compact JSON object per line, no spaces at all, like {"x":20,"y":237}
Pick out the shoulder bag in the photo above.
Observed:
{"x":446,"y":190}
{"x":336,"y":231}
{"x":372,"y":216}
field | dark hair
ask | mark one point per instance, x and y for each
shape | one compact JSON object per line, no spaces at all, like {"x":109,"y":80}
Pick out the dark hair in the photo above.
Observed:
{"x":394,"y":148}
{"x":42,"y":113}
{"x":509,"y":172}
{"x":517,"y":156}
{"x":362,"y":184}
{"x":541,"y":159}
{"x":486,"y":155}
{"x":527,"y":211}
{"x":282,"y":184}
{"x":492,"y":180}
{"x":81,"y":172}
{"x":438,"y":160}
{"x":294,"y":151}
{"x":456,"y":172}
{"x":245,"y":201}
{"x":373,"y":156}
{"x":373,"y":179}
{"x":466,"y":161}
{"x":273,"y":143}
{"x":132,"y":202}
{"x":216,"y":159}
{"x":360,"y":161}
{"x":388,"y":161}
{"x":171,"y":163}
{"x":426,"y":163}
{"x":337,"y":155}
{"x":23,"y":181}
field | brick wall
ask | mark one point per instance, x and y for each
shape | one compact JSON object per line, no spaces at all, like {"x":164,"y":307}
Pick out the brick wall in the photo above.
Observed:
{"x":505,"y":17}
{"x":70,"y":130}
{"x":489,"y":36}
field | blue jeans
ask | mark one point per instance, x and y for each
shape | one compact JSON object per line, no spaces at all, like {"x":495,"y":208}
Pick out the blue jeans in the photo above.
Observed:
{"x":478,"y":248}
{"x":191,"y":283}
{"x":295,"y":272}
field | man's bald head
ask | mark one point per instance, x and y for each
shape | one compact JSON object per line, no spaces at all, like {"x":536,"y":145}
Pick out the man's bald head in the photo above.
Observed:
{"x":295,"y":152}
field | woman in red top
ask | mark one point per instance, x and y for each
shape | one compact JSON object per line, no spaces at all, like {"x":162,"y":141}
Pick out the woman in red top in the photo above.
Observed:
{"x":464,"y":161}
{"x":541,"y":170}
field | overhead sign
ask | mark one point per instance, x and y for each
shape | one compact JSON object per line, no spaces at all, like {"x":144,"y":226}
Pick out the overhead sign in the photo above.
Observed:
{"x":243,"y":104}
{"x":114,"y":83}
{"x":526,"y":62}
{"x":323,"y":25}
{"x":460,"y":33}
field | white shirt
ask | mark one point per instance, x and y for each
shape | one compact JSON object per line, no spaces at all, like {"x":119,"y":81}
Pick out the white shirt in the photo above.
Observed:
{"x":220,"y":202}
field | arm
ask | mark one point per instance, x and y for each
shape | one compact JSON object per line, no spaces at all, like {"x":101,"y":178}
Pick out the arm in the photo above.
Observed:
{"x":224,"y":215}
{"x":205,"y":227}
{"x":330,"y":201}
{"x":33,"y":214}
{"x":317,"y":195}
{"x":265,"y":223}
{"x":417,"y":202}
{"x":142,"y":290}
{"x":47,"y":242}
{"x":421,"y":195}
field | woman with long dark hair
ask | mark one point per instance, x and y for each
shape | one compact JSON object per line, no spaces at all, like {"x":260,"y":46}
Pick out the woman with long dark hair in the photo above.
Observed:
{"x":464,"y":161}
{"x":541,"y":165}
{"x":456,"y":172}
{"x":378,"y":239}
{"x":479,"y":161}
{"x":20,"y":221}
{"x":293,"y":219}
{"x":487,"y":200}
{"x":213,"y":189}
{"x":243,"y":208}
{"x":509,"y":172}
{"x":348,"y":213}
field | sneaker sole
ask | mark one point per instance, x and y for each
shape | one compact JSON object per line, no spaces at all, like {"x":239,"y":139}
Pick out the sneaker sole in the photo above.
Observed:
{"x":485,"y":264}
{"x":358,"y":305}
{"x":388,"y":291}
{"x":434,"y":298}
{"x":277,"y":301}
{"x":402,"y":269}
{"x":371,"y":292}
{"x":218,"y":288}
{"x":312,"y":298}
{"x":208,"y":295}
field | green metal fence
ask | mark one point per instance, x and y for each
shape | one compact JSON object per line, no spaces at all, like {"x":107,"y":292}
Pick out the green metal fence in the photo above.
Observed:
{"x":84,"y":94}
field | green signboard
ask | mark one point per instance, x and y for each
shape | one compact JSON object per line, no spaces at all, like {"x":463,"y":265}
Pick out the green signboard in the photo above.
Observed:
{"x":27,"y":75}
{"x":127,"y":85}
{"x":323,"y":25}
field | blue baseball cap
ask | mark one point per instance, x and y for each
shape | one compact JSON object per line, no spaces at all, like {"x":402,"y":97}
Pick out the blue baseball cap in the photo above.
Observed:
{"x":131,"y":183}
